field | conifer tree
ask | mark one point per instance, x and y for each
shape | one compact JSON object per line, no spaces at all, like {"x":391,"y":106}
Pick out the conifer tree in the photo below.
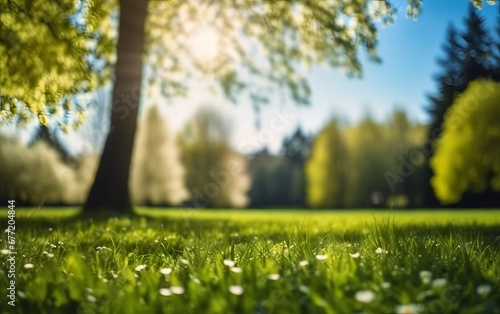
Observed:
{"x":467,"y":57}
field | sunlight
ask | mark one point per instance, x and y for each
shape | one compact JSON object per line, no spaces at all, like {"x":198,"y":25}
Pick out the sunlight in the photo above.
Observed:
{"x":204,"y":43}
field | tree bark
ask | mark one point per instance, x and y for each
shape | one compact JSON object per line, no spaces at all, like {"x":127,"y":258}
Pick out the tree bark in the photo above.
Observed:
{"x":110,"y":190}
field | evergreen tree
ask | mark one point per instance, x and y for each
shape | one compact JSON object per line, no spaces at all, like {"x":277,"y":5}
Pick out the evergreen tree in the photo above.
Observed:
{"x":496,"y":53}
{"x":295,"y":151}
{"x":467,"y":57}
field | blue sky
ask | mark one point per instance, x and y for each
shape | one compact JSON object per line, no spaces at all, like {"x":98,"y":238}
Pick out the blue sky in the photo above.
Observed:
{"x":409,"y":50}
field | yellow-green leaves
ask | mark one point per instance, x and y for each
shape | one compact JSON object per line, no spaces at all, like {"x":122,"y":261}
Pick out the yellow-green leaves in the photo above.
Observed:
{"x":326,"y":170}
{"x":50,"y":51}
{"x":467,"y":156}
{"x":268,"y":41}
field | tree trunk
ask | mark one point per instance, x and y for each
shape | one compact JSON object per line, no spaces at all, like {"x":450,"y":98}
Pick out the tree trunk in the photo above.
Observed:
{"x":110,"y":190}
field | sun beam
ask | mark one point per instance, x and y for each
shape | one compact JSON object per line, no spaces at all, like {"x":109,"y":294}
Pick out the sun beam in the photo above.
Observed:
{"x":204,"y":43}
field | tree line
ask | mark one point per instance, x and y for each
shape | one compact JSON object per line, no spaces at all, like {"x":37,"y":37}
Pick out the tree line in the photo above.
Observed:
{"x":76,"y":44}
{"x":342,"y":166}
{"x":196,"y":168}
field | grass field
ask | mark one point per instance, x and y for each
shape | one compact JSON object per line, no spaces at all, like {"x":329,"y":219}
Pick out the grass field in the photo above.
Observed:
{"x":228,"y":261}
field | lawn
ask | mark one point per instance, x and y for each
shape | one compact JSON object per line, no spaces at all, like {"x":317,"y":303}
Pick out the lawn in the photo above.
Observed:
{"x":232,"y":261}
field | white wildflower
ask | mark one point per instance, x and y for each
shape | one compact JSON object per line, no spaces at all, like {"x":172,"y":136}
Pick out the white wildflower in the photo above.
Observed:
{"x":236,"y":290}
{"x":303,"y":263}
{"x":236,"y":270}
{"x":165,"y":292}
{"x":166,"y":271}
{"x":177,"y":289}
{"x":439,"y":282}
{"x":229,"y":263}
{"x":425,"y":276}
{"x":140,"y":267}
{"x":385,"y":285}
{"x":365,"y":296}
{"x":273,"y":276}
{"x":29,"y":266}
{"x":321,"y":257}
{"x":354,"y":255}
{"x":483,"y":290}
{"x":410,"y":309}
{"x":193,"y":278}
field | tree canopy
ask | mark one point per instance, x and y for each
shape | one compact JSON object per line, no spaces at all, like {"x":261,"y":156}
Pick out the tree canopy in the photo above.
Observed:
{"x":56,"y":51}
{"x":216,"y":175}
{"x":469,"y":55}
{"x":466,"y":157}
{"x":51,"y":52}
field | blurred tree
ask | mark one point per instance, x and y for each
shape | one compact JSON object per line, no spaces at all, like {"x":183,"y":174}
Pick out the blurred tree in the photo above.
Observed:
{"x":369,"y":148}
{"x":467,"y":154}
{"x":496,"y":52}
{"x":278,"y":35}
{"x":265,"y":190}
{"x":326,"y":171}
{"x":468,"y":56}
{"x":405,"y":173}
{"x":157,"y":172}
{"x":34,"y":175}
{"x":216,"y":175}
{"x":295,"y":151}
{"x":296,"y":148}
{"x":286,"y":34}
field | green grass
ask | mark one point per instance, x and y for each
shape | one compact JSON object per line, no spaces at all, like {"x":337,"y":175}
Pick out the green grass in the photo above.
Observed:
{"x":284,"y":262}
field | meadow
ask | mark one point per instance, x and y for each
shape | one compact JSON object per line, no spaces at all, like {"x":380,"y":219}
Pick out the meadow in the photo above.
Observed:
{"x":235,"y":261}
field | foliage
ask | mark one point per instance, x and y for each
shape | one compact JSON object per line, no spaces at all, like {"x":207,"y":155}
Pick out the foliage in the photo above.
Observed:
{"x":326,"y":170}
{"x":368,"y":146}
{"x":216,"y":175}
{"x":50,"y":52}
{"x":361,"y":165}
{"x":36,"y":175}
{"x":55,"y":51}
{"x":295,"y":151}
{"x":157,"y":172}
{"x":280,"y":180}
{"x":467,"y":154}
{"x":265,"y":40}
{"x":469,"y":55}
{"x":406,"y":142}
{"x":240,"y":262}
{"x":33,"y":175}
